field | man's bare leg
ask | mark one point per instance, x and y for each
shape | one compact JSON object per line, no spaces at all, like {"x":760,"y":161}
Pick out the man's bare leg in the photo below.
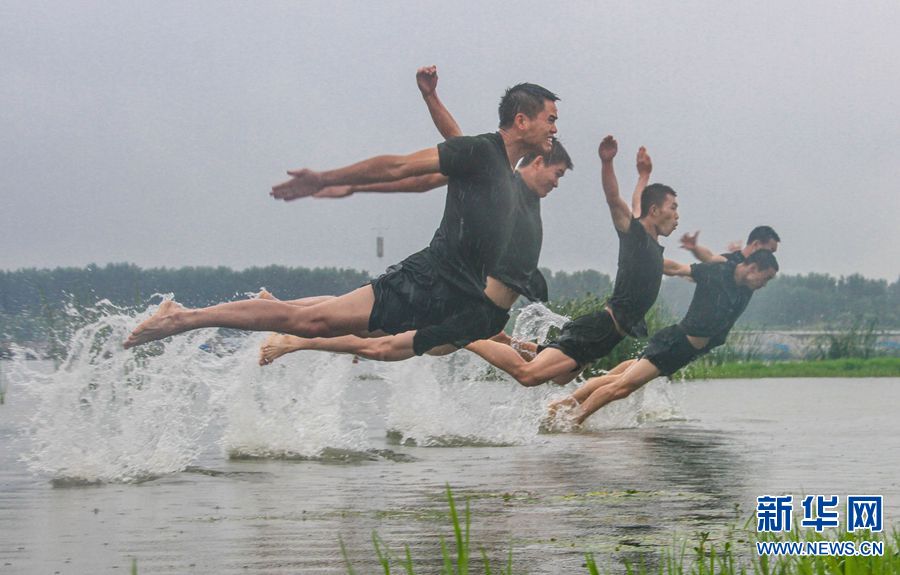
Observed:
{"x":548,"y":364}
{"x":388,"y":348}
{"x":583,"y":392}
{"x":278,"y":344}
{"x":594,"y":383}
{"x":302,"y":302}
{"x":527,"y":349}
{"x":347,"y":314}
{"x":623,"y":385}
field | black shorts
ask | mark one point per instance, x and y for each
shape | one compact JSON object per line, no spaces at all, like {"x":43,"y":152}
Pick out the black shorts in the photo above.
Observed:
{"x":477,"y":319}
{"x":588,"y":338}
{"x":669,"y":350}
{"x":411,"y":295}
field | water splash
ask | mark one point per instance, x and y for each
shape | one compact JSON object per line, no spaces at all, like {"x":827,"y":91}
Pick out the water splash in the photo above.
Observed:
{"x":450,"y":401}
{"x":105,"y":414}
{"x":292,"y":409}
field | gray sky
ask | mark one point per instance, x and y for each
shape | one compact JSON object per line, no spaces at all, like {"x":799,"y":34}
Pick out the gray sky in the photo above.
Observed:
{"x":151,"y":132}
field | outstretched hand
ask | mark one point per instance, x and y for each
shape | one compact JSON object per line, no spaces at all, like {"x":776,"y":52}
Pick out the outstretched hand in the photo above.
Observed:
{"x":644,"y":163}
{"x":689,"y":240}
{"x":608,"y":149}
{"x":303,"y":183}
{"x":426,"y":79}
{"x":334,"y":192}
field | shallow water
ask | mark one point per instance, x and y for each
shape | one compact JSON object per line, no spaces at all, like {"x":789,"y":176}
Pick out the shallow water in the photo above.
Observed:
{"x":198,"y":462}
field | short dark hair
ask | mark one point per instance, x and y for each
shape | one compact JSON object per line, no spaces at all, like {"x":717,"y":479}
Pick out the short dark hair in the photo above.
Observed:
{"x":763,"y":234}
{"x":763,"y":259}
{"x":654,"y":195}
{"x":556,"y":155}
{"x":525,"y":99}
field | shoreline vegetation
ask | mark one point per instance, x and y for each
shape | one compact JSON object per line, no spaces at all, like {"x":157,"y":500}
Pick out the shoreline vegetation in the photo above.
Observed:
{"x":850,"y":367}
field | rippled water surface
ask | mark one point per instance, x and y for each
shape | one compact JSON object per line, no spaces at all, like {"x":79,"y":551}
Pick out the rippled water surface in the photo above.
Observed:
{"x":202,"y":462}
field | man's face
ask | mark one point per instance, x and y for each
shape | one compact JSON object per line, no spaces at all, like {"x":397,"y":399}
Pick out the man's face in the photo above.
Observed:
{"x":756,"y":279}
{"x":666,"y":216}
{"x":539,"y":131}
{"x":546,"y":177}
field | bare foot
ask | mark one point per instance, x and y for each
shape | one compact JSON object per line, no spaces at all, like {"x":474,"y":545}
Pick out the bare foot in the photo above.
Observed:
{"x":276,"y":345}
{"x":266,"y":294}
{"x":161,"y":324}
{"x":562,"y":415}
{"x":565,"y":403}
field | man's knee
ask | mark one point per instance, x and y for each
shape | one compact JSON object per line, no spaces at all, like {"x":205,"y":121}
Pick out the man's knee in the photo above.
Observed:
{"x":526,"y":375}
{"x":324,"y":320}
{"x":387,"y":349}
{"x":309,"y":322}
{"x":375,"y":349}
{"x":336,"y":316}
{"x":544,"y":369}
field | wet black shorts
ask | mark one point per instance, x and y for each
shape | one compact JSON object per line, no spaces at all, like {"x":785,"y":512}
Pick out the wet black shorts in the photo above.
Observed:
{"x":669,"y":350}
{"x":588,"y":338}
{"x":478,"y":319}
{"x":412,"y":296}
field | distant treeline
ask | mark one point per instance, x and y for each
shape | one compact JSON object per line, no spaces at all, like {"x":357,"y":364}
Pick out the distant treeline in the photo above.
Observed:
{"x":812,"y":301}
{"x":33,"y":299}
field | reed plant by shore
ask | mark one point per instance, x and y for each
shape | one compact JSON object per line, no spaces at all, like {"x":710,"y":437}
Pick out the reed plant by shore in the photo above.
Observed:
{"x":736,"y":553}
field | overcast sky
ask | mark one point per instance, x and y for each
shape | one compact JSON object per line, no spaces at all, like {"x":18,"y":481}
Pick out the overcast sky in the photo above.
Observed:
{"x":151,"y":132}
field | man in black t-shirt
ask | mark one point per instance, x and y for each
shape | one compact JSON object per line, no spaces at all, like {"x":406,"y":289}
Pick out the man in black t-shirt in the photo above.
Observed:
{"x":446,"y":292}
{"x":653,"y":213}
{"x":516,"y":269}
{"x":760,"y":238}
{"x":723,"y":291}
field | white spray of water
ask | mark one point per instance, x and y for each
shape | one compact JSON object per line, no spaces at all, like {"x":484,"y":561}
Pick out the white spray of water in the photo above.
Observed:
{"x":290,"y":409}
{"x":447,"y":401}
{"x":107,"y":414}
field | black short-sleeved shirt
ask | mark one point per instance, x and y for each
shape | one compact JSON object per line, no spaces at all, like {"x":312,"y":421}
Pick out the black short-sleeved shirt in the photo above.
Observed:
{"x":478,"y":212}
{"x":637,"y":279}
{"x":717,"y":303}
{"x":518,"y":266}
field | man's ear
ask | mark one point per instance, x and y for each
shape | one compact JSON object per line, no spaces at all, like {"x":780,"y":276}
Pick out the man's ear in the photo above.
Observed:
{"x":521,"y":121}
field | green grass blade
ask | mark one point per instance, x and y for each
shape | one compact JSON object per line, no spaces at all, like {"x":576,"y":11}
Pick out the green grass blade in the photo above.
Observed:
{"x":408,"y":564}
{"x":350,"y":570}
{"x":487,"y":562}
{"x":382,"y":555}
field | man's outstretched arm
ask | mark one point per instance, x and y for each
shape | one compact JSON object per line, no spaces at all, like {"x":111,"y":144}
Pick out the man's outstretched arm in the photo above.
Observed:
{"x":702,"y":253}
{"x":673,"y":268}
{"x":618,"y":209}
{"x":381,"y":173}
{"x":426,"y":79}
{"x":416,"y":184}
{"x":305,"y":182}
{"x":644,"y":167}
